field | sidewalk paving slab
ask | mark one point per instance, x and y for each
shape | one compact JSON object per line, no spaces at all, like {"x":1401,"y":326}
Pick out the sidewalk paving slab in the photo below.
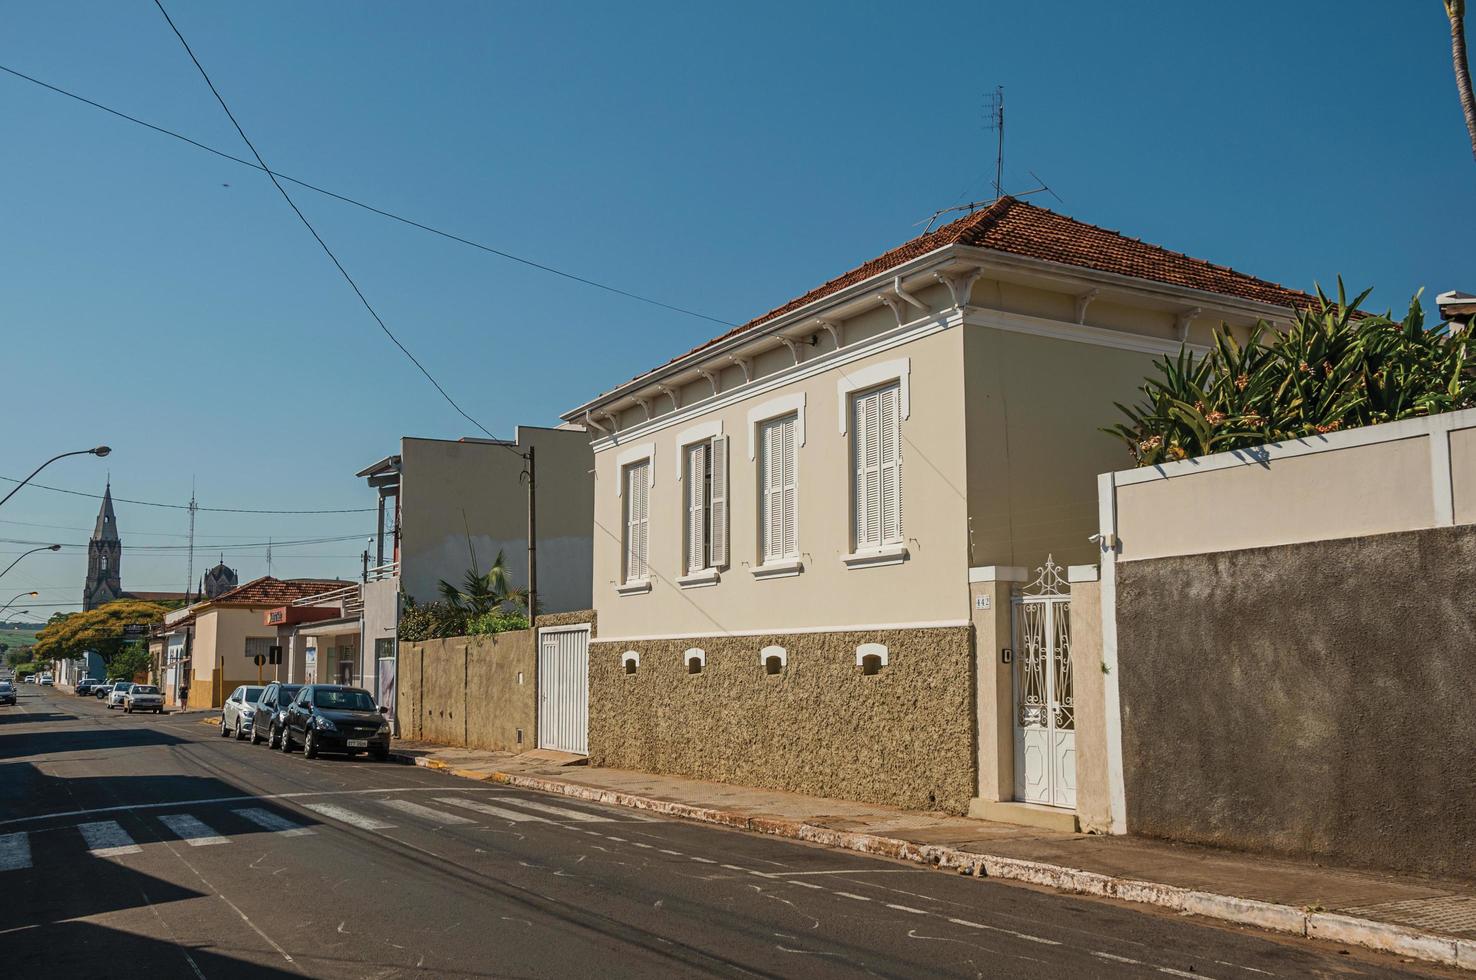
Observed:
{"x":1417,"y":917}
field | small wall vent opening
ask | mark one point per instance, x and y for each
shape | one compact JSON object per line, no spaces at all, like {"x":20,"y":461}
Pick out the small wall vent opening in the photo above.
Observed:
{"x":774,"y":659}
{"x":696,"y":660}
{"x":631,"y":660}
{"x":871,"y":658}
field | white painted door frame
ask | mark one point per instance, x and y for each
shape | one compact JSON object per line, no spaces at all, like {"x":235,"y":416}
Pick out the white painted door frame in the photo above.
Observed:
{"x":563,"y":688}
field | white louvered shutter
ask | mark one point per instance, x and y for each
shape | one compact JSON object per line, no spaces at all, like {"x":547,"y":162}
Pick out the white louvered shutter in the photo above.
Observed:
{"x":877,"y":494}
{"x":718,"y":499}
{"x":889,"y":462}
{"x":637,"y":520}
{"x":696,"y":481}
{"x":788,"y":492}
{"x":777,"y":481}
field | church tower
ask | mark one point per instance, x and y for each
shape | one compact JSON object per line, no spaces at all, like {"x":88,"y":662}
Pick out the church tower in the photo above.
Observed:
{"x":104,"y":556}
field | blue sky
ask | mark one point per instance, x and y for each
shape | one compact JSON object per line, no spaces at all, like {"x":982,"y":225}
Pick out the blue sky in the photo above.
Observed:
{"x":721,"y":158}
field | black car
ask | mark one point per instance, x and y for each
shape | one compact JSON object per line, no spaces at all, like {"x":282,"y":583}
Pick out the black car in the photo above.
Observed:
{"x":336,"y":718}
{"x":85,"y":686}
{"x":271,"y":713}
{"x":7,"y":692}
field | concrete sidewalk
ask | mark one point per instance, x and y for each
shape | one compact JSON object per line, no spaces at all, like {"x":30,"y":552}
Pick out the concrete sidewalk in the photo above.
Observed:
{"x":1420,"y":918}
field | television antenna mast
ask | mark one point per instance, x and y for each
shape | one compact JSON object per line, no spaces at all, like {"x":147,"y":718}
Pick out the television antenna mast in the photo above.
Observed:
{"x":994,"y":106}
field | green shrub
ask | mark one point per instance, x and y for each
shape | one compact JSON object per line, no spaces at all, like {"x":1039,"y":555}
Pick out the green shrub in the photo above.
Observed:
{"x":1333,"y":368}
{"x":496,"y":622}
{"x":432,"y":621}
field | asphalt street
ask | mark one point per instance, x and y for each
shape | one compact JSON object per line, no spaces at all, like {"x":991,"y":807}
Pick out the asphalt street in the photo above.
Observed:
{"x":134,"y":845}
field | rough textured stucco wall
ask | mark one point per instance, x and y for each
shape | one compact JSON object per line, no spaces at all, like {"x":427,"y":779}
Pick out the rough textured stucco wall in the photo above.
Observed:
{"x":1313,"y":699}
{"x":902,"y":737}
{"x":577,"y":618}
{"x":469,"y":691}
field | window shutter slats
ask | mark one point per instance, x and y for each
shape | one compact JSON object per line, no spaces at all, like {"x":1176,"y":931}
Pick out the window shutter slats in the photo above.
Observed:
{"x":696,"y":474}
{"x":789,"y":545}
{"x":877,"y":494}
{"x":637,"y":521}
{"x":718,"y":516}
{"x":777,"y":517}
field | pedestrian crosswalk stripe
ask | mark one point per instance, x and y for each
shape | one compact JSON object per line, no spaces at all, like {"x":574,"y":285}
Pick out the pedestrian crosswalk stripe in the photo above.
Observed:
{"x":107,"y":838}
{"x":557,"y":811}
{"x":426,"y":812}
{"x":489,"y":809}
{"x":267,"y":820}
{"x":345,"y":815}
{"x":15,"y":852}
{"x":192,"y":830}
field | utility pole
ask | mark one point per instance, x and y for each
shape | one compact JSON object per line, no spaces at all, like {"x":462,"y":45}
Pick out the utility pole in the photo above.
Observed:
{"x":530,"y":473}
{"x":190,"y":572}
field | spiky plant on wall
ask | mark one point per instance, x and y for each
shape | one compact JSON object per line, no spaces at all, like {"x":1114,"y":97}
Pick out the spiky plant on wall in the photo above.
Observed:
{"x":1334,"y":368}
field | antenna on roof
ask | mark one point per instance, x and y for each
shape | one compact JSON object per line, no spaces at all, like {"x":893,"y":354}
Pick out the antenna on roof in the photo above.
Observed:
{"x":994,"y":105}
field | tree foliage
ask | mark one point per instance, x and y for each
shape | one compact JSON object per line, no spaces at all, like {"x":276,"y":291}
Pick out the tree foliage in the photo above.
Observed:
{"x":99,"y":630}
{"x":1333,"y":368}
{"x":484,"y":592}
{"x":129,"y":663}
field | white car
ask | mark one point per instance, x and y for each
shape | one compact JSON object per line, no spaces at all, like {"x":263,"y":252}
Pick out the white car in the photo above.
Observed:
{"x":143,"y":697}
{"x":118,"y":693}
{"x":239,"y":710}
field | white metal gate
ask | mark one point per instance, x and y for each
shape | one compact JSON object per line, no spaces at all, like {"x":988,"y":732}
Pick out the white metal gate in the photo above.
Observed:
{"x":563,"y":689}
{"x":1045,"y":712}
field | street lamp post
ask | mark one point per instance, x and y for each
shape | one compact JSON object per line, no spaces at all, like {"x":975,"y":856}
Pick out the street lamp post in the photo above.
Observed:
{"x":48,"y":547}
{"x":17,"y":596}
{"x":96,"y":451}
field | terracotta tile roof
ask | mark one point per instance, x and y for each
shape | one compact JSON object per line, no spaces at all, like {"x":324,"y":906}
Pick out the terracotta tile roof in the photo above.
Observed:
{"x":267,"y":591}
{"x":1019,"y":228}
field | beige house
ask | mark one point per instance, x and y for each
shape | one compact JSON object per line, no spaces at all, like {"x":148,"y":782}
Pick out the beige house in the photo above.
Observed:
{"x":220,"y":638}
{"x":816,"y":536}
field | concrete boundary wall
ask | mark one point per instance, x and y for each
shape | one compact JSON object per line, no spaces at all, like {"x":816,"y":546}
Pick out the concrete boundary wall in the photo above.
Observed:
{"x":1286,"y":640}
{"x":476,"y":692}
{"x":902,"y":736}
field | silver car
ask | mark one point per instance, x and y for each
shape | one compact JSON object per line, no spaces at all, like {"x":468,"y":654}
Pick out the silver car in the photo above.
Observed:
{"x":237,"y":712}
{"x":118,"y":693}
{"x":143,"y":697}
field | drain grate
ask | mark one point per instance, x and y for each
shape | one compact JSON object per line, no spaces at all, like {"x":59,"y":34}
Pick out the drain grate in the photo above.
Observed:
{"x":1454,"y":914}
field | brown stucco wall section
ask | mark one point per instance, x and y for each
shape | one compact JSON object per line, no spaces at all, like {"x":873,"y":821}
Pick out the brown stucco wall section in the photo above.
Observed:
{"x":1313,"y":699}
{"x":474,"y":692}
{"x":902,"y":737}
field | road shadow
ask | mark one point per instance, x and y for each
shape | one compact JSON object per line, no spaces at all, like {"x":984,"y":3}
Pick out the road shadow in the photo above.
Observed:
{"x":87,"y":951}
{"x":8,"y":717}
{"x":16,"y":745}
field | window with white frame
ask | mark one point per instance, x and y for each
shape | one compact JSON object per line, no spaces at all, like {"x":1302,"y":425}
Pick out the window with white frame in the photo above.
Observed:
{"x":705,"y":504}
{"x":778,"y":490}
{"x":876,"y":489}
{"x":637,"y":488}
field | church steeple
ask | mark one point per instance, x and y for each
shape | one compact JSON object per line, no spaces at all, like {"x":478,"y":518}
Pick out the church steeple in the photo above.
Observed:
{"x":104,"y":557}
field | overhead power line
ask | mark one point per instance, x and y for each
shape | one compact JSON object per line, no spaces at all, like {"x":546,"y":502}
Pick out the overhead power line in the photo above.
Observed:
{"x":313,"y":231}
{"x":502,"y":253}
{"x":213,"y":510}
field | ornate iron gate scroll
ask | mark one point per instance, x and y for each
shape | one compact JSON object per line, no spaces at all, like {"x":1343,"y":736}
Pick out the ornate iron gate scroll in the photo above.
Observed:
{"x":1045,"y":712}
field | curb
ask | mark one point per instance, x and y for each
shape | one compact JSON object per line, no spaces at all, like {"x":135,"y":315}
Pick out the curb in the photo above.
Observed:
{"x":1327,"y":926}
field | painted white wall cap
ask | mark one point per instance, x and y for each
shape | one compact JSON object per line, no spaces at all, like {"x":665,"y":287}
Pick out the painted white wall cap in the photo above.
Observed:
{"x":998,"y":573}
{"x":1081,"y":573}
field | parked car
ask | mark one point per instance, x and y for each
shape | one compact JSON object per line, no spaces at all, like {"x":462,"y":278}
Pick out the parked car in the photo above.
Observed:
{"x":118,"y":693}
{"x":143,"y":697}
{"x":45,"y":680}
{"x":102,"y":690}
{"x":271,"y":713}
{"x":85,"y":686}
{"x":336,"y":718}
{"x":30,"y":678}
{"x":7,"y":692}
{"x":236,"y":714}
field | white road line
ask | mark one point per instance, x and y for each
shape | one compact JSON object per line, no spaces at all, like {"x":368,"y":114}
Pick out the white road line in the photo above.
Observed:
{"x":639,"y":844}
{"x":618,"y":840}
{"x":859,"y":898}
{"x":733,"y":867}
{"x":345,"y":815}
{"x":15,"y":852}
{"x":703,"y":860}
{"x":425,"y":812}
{"x":489,"y":809}
{"x":1181,"y":973}
{"x":906,"y":908}
{"x":558,"y":811}
{"x":263,"y":797}
{"x":1008,"y":932}
{"x":107,"y":838}
{"x":269,"y":821}
{"x":191,"y":830}
{"x":664,"y":850}
{"x":1117,"y":959}
{"x":807,"y":884}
